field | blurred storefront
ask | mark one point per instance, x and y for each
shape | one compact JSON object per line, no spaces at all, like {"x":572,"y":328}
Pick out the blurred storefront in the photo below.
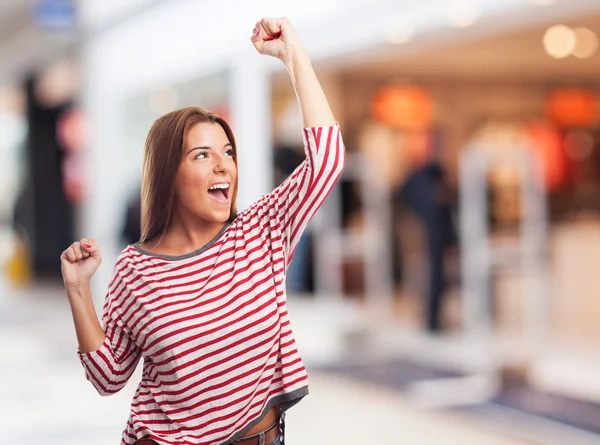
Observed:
{"x":512,"y":90}
{"x":409,"y":85}
{"x":425,"y":91}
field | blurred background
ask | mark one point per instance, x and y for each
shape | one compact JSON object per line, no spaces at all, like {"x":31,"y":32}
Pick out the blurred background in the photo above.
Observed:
{"x":445,"y":293}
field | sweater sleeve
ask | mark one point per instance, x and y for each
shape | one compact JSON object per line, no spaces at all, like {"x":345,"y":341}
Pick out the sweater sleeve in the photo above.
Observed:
{"x":297,"y":199}
{"x":110,"y":367}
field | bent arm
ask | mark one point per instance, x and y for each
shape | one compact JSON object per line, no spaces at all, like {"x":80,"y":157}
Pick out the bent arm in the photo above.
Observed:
{"x":109,"y":356}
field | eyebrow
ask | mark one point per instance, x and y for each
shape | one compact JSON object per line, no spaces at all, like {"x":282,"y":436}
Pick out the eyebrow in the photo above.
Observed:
{"x":204,"y":147}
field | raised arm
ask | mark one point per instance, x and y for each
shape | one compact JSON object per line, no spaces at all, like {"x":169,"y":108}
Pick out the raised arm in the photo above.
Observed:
{"x":291,"y":205}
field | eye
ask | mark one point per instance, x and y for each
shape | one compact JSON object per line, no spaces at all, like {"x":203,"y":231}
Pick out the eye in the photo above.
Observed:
{"x":230,"y":152}
{"x":202,"y":155}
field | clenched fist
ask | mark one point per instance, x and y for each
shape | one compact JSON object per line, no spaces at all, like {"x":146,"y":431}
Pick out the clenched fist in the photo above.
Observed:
{"x":80,"y":261}
{"x":276,"y":37}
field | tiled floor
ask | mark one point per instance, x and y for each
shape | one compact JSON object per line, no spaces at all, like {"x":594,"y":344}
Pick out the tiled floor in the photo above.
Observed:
{"x":46,"y":399}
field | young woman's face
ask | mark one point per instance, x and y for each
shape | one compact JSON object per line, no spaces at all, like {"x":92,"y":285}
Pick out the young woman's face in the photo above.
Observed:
{"x":207,"y":173}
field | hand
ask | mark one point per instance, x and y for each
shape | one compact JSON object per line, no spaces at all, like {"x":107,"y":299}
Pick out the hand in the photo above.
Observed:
{"x":80,"y":261}
{"x":277,"y":38}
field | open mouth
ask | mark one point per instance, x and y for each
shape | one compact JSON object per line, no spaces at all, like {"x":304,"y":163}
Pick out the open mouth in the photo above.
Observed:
{"x":219,"y":192}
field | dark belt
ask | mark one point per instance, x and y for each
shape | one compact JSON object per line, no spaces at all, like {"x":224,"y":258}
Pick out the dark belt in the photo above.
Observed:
{"x":270,"y":434}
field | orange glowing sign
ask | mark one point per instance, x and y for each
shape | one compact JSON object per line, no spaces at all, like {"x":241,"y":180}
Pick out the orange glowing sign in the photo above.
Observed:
{"x":403,"y":107}
{"x":572,"y":107}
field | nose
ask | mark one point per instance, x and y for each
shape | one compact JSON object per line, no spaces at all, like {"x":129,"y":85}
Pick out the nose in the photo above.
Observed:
{"x":221,"y":165}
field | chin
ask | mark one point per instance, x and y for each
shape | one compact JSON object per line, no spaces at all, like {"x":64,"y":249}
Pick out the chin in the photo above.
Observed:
{"x":221,"y":217}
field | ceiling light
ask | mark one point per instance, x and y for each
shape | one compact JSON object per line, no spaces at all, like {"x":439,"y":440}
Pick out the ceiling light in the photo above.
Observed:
{"x":559,"y":41}
{"x":586,"y":43}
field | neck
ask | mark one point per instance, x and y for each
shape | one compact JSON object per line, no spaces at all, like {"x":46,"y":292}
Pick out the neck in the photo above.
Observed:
{"x":188,"y":232}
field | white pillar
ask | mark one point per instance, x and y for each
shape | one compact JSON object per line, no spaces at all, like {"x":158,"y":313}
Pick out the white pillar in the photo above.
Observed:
{"x":102,"y":213}
{"x":250,"y":111}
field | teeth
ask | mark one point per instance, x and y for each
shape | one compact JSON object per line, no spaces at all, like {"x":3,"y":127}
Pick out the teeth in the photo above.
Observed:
{"x":219,"y":186}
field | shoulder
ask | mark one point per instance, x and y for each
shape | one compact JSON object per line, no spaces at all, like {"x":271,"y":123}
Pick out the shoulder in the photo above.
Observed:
{"x":125,"y":262}
{"x":129,"y":253}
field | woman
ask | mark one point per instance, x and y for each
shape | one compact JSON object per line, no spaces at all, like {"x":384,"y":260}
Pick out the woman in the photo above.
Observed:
{"x":201,"y":297}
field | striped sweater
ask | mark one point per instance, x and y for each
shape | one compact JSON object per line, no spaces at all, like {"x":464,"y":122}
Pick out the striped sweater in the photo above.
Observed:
{"x":212,"y":326}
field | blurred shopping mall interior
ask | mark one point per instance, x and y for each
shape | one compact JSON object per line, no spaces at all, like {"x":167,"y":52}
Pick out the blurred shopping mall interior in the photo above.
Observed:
{"x":446,"y":291}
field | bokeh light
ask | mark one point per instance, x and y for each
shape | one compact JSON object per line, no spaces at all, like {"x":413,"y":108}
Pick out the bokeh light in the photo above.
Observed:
{"x":559,"y":41}
{"x":586,"y":43}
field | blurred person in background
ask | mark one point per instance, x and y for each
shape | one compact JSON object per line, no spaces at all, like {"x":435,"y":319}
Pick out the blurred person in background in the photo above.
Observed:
{"x":427,"y":194}
{"x":132,"y":222}
{"x":202,"y":295}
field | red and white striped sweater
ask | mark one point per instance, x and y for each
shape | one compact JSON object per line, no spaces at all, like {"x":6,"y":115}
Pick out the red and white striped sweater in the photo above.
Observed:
{"x":213,"y":326}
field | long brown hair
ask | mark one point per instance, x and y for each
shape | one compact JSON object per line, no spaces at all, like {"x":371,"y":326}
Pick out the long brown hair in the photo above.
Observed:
{"x":163,"y":153}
